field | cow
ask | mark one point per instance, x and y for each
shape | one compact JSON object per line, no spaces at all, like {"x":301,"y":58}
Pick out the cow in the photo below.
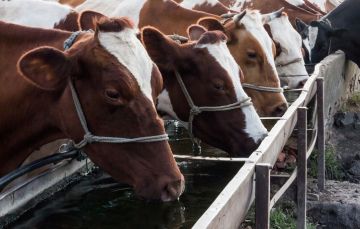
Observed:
{"x":339,"y":30}
{"x":40,"y":14}
{"x":172,"y":18}
{"x":211,"y":78}
{"x":104,"y":84}
{"x":289,"y":59}
{"x":294,"y":8}
{"x":167,"y":16}
{"x":254,"y":51}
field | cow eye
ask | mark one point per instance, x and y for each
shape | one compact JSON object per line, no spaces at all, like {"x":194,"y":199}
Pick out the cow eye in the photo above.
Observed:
{"x":112,"y":93}
{"x":219,"y":87}
{"x":251,"y":54}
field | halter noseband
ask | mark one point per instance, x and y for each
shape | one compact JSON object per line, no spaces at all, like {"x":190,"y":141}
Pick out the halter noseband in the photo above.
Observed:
{"x":88,"y":136}
{"x":295,"y":61}
{"x":196,"y":110}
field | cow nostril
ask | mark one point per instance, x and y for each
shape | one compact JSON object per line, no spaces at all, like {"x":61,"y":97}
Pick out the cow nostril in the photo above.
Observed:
{"x":172,"y":190}
{"x":301,"y":83}
{"x":280,"y":110}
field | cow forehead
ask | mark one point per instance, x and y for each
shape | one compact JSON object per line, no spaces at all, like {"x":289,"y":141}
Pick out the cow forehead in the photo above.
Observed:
{"x":220,"y":52}
{"x":129,"y":51}
{"x":252,"y":22}
{"x":283,"y":32}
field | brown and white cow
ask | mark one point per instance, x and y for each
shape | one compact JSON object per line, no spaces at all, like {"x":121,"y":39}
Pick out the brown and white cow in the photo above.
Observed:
{"x":42,"y":14}
{"x":167,"y":15}
{"x":116,"y":83}
{"x":254,"y":51}
{"x":289,"y":59}
{"x":294,"y":8}
{"x":212,"y":78}
{"x":171,"y":18}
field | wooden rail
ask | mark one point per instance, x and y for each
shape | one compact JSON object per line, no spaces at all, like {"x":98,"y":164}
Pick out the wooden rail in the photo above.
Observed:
{"x":231,"y":206}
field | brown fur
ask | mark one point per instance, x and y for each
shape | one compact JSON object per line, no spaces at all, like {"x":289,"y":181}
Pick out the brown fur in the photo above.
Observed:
{"x":35,"y":116}
{"x":70,"y":23}
{"x":252,"y":60}
{"x":72,"y":3}
{"x":169,"y":17}
{"x":198,"y":67}
{"x":268,"y":6}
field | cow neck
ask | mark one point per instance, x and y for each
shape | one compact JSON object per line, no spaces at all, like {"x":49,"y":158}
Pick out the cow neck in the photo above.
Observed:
{"x":197,"y":110}
{"x":88,"y":137}
{"x":70,"y":23}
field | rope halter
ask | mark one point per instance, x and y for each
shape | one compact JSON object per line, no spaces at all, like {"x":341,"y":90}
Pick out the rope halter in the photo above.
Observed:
{"x":295,"y":61}
{"x":88,"y":136}
{"x":196,"y":110}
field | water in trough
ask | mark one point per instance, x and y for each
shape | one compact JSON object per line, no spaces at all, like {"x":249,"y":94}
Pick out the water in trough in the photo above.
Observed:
{"x":97,"y":201}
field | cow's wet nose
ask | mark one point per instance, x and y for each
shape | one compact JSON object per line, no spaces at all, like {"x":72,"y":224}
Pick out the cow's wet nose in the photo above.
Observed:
{"x":280,"y":110}
{"x":173,"y":190}
{"x":301,"y":83}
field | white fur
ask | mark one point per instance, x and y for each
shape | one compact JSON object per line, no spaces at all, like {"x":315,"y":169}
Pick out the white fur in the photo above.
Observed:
{"x":222,"y":55}
{"x":313,"y":33}
{"x":253,"y":24}
{"x":190,"y":4}
{"x":33,"y":13}
{"x":307,"y":46}
{"x":115,"y":8}
{"x":320,"y":4}
{"x":164,"y":104}
{"x":239,"y":5}
{"x":290,"y":43}
{"x":125,"y":46}
{"x":296,"y":2}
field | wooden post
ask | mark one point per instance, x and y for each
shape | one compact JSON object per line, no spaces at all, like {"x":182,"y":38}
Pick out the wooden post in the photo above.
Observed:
{"x":262,"y":196}
{"x":321,"y":134}
{"x":302,"y":170}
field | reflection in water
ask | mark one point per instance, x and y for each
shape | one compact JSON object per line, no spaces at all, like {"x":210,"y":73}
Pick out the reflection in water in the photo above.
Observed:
{"x":97,"y":201}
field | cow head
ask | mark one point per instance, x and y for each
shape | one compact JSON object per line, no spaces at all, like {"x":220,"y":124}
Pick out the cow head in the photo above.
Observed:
{"x":212,"y":78}
{"x":254,"y":51}
{"x":289,"y":60}
{"x":116,"y":82}
{"x":319,"y":38}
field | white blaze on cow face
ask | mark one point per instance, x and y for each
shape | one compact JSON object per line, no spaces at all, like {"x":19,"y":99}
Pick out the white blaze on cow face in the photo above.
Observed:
{"x":33,"y":13}
{"x":125,"y":46}
{"x":190,"y":4}
{"x":253,"y":126}
{"x":313,"y":33}
{"x":115,"y":8}
{"x":290,"y":42}
{"x":254,"y":25}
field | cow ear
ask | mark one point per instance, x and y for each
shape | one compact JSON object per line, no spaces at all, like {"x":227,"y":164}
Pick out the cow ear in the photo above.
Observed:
{"x":88,"y":19}
{"x":211,"y":24}
{"x":300,"y":25}
{"x":45,"y":67}
{"x":162,"y":50}
{"x":195,"y":32}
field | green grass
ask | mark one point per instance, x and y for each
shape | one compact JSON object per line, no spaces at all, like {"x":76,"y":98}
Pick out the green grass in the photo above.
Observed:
{"x":281,"y":217}
{"x":333,"y":169}
{"x":352,"y":104}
